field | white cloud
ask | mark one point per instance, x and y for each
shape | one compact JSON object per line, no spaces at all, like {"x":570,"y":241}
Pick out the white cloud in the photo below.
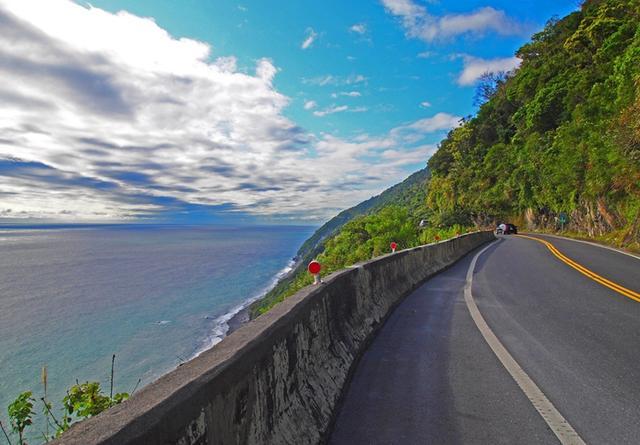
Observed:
{"x":311,"y":37}
{"x":405,"y":8}
{"x":414,"y":132}
{"x":426,"y":54}
{"x":358,"y":28}
{"x":331,"y":110}
{"x":310,"y":105}
{"x":346,"y":94}
{"x":425,"y":104}
{"x":330,"y":79}
{"x":228,"y":64}
{"x":417,"y":155}
{"x":418,"y":23}
{"x":339,"y":109}
{"x":475,"y":67}
{"x":107,"y":116}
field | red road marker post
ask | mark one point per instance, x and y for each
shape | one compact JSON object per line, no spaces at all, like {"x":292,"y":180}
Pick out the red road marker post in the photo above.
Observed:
{"x":437,"y":237}
{"x":314,"y":269}
{"x":394,"y":245}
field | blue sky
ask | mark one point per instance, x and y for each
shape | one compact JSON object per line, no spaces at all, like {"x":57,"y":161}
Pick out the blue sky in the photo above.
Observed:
{"x":223,"y":111}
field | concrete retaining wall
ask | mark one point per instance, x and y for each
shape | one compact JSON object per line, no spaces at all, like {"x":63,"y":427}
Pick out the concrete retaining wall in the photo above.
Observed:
{"x":279,"y":378}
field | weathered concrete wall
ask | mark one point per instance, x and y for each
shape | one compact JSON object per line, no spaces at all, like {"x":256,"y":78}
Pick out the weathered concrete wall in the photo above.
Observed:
{"x":278,"y":378}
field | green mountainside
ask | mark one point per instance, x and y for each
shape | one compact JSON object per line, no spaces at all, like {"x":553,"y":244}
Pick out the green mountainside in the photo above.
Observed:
{"x":554,"y":146}
{"x":409,"y":195}
{"x":558,"y":141}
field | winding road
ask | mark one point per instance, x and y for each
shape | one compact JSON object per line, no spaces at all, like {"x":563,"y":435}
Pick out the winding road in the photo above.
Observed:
{"x":529,"y":340}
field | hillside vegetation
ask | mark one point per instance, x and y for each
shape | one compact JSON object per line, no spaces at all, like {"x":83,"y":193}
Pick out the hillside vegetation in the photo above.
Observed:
{"x":361,"y":233}
{"x":559,"y":138}
{"x":555,"y":145}
{"x":409,"y":193}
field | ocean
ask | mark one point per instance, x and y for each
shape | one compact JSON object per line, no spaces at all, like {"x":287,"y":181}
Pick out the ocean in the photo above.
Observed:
{"x":155,"y":296}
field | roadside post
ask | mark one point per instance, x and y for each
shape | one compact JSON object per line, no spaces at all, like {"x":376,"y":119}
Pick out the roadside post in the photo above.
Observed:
{"x":563,"y":219}
{"x":394,"y":246}
{"x":314,"y":269}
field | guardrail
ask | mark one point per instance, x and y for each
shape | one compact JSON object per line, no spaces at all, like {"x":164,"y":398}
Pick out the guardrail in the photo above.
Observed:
{"x":279,"y":378}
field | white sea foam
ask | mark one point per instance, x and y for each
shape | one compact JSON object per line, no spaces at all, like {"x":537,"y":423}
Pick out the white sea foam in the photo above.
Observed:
{"x":221,"y":324}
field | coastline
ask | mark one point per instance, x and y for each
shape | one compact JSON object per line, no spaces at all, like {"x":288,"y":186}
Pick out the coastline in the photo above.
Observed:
{"x":239,"y":315}
{"x":238,"y":320}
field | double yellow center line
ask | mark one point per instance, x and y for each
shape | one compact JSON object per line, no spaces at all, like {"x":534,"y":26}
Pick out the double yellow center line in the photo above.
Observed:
{"x":584,"y":271}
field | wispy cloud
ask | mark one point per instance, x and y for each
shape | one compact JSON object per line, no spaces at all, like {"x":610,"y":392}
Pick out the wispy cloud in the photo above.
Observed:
{"x":331,"y":110}
{"x":310,"y":105}
{"x":475,"y":67}
{"x":415,"y":131}
{"x":418,"y":23}
{"x":330,"y":79}
{"x":425,"y":104}
{"x":346,"y":94}
{"x":358,"y":28}
{"x":339,"y":109}
{"x":309,"y":39}
{"x":426,"y":55}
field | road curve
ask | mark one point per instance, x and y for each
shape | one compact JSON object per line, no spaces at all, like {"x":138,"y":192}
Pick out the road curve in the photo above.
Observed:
{"x":429,"y":377}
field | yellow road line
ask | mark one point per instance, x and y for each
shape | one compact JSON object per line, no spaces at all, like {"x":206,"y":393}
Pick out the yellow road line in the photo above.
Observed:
{"x":584,"y":271}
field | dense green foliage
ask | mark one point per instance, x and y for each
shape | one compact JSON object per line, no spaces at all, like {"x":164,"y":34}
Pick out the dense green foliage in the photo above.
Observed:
{"x":21,"y":414}
{"x":560,"y":135}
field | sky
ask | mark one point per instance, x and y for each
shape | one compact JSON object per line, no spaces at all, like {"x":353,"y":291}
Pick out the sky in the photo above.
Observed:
{"x":218,"y":111}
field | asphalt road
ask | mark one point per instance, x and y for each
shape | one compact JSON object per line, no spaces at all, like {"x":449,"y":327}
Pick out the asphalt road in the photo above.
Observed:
{"x":429,"y":377}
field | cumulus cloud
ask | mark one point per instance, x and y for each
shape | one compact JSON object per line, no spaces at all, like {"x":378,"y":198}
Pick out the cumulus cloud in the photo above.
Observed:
{"x":107,"y":116}
{"x":309,"y":39}
{"x":418,"y":23}
{"x":310,"y":105}
{"x":475,"y":67}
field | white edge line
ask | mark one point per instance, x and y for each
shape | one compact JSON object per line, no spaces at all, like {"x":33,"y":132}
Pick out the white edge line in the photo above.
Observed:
{"x":558,"y":424}
{"x":613,"y":249}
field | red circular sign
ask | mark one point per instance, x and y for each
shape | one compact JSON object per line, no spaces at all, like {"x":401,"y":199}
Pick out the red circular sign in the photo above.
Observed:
{"x":314,"y":267}
{"x":394,"y":245}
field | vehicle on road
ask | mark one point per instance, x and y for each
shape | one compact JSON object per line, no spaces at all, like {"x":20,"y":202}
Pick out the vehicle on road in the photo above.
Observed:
{"x":506,"y":229}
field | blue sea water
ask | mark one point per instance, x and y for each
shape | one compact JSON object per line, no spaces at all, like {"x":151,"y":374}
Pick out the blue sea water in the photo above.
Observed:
{"x":153,"y":295}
